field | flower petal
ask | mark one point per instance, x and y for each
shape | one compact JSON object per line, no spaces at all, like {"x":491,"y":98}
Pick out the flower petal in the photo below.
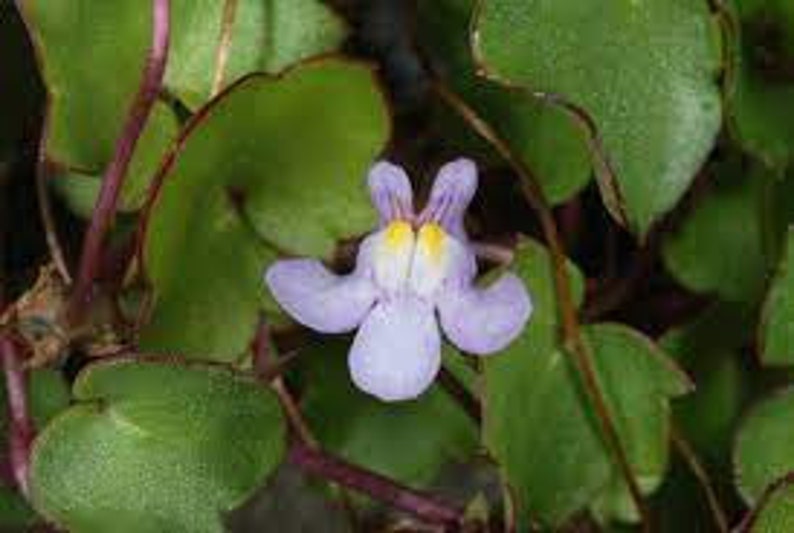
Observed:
{"x":397,"y":352}
{"x":318,"y":298}
{"x":483,"y":321}
{"x":391,"y":193}
{"x":453,"y":190}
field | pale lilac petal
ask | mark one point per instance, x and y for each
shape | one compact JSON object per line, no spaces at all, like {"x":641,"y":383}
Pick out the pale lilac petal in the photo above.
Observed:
{"x":453,"y":190}
{"x":484,"y":321}
{"x":391,"y":193}
{"x":397,"y":352}
{"x":318,"y":298}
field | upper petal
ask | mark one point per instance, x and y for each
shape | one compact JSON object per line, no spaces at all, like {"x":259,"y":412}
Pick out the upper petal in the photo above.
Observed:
{"x":483,"y":321}
{"x":318,"y":298}
{"x":453,"y":190}
{"x":391,"y":193}
{"x":397,"y":351}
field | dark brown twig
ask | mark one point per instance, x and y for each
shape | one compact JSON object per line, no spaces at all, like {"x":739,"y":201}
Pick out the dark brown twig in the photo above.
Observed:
{"x":21,"y":431}
{"x":426,"y":507}
{"x":107,"y":201}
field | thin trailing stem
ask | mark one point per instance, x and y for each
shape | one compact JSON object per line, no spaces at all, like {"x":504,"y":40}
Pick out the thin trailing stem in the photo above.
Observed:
{"x":264,"y":361}
{"x":224,"y":45}
{"x":21,"y":432}
{"x":116,"y":172}
{"x":461,"y":394}
{"x":424,"y":506}
{"x":47,"y":219}
{"x":571,"y":334}
{"x":692,"y":461}
{"x":748,"y":523}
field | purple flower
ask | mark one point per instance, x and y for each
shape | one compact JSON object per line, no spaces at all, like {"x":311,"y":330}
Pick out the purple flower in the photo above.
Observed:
{"x":414,"y":272}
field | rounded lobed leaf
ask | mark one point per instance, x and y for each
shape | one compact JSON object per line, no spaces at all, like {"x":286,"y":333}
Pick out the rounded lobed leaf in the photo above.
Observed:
{"x":155,"y":446}
{"x":646,"y":72}
{"x":725,"y":223}
{"x":269,"y":165}
{"x":544,"y":136}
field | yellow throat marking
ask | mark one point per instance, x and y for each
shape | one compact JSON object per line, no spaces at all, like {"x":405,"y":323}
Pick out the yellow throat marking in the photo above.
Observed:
{"x":398,"y":234}
{"x":432,"y":238}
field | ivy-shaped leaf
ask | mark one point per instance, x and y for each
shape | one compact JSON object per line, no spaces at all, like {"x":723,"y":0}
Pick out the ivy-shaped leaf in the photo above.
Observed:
{"x":92,"y":55}
{"x":265,"y":37}
{"x":535,"y":409}
{"x":545,"y":137}
{"x":269,"y":163}
{"x":155,"y":447}
{"x":719,"y":247}
{"x":646,"y":72}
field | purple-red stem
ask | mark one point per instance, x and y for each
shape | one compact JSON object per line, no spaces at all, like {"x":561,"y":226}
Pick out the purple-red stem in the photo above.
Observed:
{"x":22,"y":432}
{"x":107,"y":202}
{"x":422,"y":505}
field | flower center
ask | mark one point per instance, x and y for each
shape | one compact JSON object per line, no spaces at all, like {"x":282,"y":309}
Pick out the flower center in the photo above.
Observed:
{"x":417,"y":261}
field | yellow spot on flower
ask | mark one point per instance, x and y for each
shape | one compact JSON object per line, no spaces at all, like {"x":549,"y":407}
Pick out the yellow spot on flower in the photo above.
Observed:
{"x":398,"y":234}
{"x":431,"y":239}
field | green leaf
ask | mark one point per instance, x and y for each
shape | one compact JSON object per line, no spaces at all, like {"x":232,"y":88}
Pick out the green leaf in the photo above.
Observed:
{"x":719,"y":246}
{"x":544,"y":136}
{"x":88,"y":104}
{"x":265,"y":37}
{"x":535,"y":408}
{"x":155,"y":447}
{"x":763,"y":451}
{"x":777,"y":326}
{"x":269,"y":163}
{"x":408,"y":441}
{"x":92,"y":54}
{"x":708,"y":348}
{"x":760,"y":107}
{"x":776,"y":513}
{"x":646,"y":72}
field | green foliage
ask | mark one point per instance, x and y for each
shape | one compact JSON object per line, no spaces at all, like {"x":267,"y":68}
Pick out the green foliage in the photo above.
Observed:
{"x":536,"y":408}
{"x":760,"y":106}
{"x":777,"y":513}
{"x":155,"y":447}
{"x":763,"y":452}
{"x":727,"y":222}
{"x":777,"y":328}
{"x":645,"y":72}
{"x":546,"y":137}
{"x":268,"y":166}
{"x":263,"y":149}
{"x":110,"y":41}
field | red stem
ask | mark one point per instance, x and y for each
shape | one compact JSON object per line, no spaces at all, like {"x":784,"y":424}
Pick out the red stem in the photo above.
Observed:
{"x":424,"y":506}
{"x":22,"y":432}
{"x":107,"y":201}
